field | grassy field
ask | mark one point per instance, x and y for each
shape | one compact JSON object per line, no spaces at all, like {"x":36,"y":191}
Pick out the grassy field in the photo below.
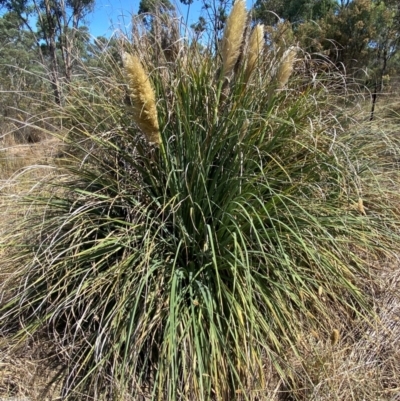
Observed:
{"x":213,"y":228}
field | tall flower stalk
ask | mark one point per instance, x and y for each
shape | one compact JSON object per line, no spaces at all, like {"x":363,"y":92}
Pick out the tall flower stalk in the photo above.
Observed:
{"x":256,"y":45}
{"x":285,"y":67}
{"x":233,"y":37}
{"x":143,"y":100}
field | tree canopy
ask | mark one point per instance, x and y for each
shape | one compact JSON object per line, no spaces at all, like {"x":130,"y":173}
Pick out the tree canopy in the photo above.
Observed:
{"x":58,"y":32}
{"x":294,"y":11}
{"x":360,"y":36}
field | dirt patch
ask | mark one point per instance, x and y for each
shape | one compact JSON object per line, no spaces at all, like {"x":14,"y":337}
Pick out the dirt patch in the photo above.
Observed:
{"x":25,"y":373}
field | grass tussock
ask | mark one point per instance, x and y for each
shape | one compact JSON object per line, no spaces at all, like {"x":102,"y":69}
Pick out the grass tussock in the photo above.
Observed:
{"x":191,"y":270}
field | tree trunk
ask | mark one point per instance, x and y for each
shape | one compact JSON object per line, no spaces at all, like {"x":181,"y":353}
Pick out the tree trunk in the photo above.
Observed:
{"x":66,"y":40}
{"x":51,"y":39}
{"x":378,"y":82}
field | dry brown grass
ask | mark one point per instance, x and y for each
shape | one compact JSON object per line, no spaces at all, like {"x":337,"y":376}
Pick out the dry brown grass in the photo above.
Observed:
{"x":25,"y":369}
{"x":25,"y":373}
{"x":14,"y":156}
{"x":22,"y":166}
{"x":365,"y":363}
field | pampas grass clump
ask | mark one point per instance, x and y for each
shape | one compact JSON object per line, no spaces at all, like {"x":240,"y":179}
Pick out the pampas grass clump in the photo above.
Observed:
{"x":180,"y":271}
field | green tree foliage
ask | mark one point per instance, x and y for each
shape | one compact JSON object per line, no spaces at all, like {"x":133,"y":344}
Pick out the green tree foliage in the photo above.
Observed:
{"x":20,"y":72}
{"x":100,"y":47}
{"x":57,"y":32}
{"x":160,"y":21}
{"x":361,"y":37}
{"x":200,"y":26}
{"x":155,"y":6}
{"x":353,"y":33}
{"x":345,"y":35}
{"x":150,"y":9}
{"x":217,"y":13}
{"x":17,"y":50}
{"x":386,"y":41}
{"x":294,"y":11}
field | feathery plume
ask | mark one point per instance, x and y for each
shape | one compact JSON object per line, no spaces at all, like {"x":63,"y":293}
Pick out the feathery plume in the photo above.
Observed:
{"x":256,"y":45}
{"x":315,"y":334}
{"x":335,"y":336}
{"x":143,"y":99}
{"x":233,"y":36}
{"x":285,"y":67}
{"x":360,"y":206}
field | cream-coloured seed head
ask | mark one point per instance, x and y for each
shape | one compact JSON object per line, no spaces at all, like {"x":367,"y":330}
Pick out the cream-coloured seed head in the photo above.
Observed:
{"x":360,"y":206}
{"x":256,"y":45}
{"x":285,"y":67}
{"x":335,"y":336}
{"x":233,"y":36}
{"x":143,"y":98}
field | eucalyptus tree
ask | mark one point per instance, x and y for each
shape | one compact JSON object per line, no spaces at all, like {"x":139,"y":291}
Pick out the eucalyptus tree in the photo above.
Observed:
{"x":294,"y":11}
{"x":18,"y":65}
{"x":57,"y":31}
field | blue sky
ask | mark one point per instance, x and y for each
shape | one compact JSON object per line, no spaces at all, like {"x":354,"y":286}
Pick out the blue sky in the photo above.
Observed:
{"x":111,"y":15}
